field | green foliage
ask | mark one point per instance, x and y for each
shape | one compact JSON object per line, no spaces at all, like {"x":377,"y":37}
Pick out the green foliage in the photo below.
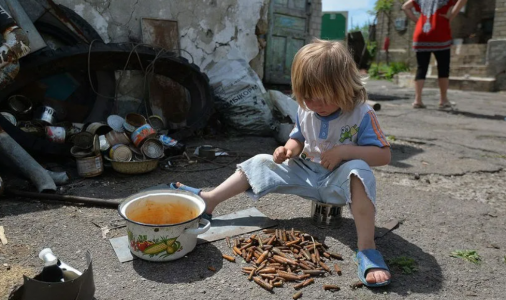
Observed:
{"x":383,"y":6}
{"x":384,"y":71}
{"x":406,"y":264}
{"x":469,"y":255}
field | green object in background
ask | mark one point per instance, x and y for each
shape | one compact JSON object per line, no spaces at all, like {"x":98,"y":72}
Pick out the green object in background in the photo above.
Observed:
{"x":334,"y":25}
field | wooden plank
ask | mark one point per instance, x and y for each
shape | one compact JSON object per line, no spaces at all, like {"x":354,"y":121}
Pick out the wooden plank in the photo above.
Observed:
{"x":2,"y":236}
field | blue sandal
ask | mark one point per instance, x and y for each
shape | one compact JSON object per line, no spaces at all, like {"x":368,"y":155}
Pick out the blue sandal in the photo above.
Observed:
{"x":370,"y":259}
{"x":195,"y":191}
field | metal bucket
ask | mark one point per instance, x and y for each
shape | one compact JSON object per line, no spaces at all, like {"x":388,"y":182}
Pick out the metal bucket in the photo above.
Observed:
{"x":90,"y":166}
{"x":326,"y":215}
{"x":45,"y":114}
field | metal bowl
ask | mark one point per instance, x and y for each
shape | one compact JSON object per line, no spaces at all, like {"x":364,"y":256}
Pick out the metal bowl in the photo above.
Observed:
{"x":133,"y":167}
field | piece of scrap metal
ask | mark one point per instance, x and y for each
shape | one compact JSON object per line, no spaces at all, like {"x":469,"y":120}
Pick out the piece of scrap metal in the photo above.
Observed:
{"x":236,"y":223}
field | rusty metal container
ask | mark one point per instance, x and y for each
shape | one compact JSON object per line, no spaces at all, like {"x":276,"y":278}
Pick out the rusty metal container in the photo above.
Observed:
{"x":141,"y":134}
{"x":135,"y":120}
{"x":115,"y":138}
{"x":55,"y":134}
{"x":80,"y":152}
{"x":90,"y":166}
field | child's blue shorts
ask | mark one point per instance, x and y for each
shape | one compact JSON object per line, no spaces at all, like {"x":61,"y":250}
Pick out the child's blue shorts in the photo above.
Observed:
{"x":306,"y":179}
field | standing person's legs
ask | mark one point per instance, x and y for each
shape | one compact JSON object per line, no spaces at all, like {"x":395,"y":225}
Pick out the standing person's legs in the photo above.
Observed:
{"x":423,"y":60}
{"x":443,"y":68}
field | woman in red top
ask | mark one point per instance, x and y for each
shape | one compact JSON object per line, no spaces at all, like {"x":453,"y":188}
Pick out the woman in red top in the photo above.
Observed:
{"x":432,"y":35}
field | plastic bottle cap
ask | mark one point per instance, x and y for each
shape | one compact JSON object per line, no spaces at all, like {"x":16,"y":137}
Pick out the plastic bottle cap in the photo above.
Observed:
{"x":48,"y":257}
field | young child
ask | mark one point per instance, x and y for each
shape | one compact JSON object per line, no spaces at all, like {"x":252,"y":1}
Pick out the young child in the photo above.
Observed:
{"x":328,"y":156}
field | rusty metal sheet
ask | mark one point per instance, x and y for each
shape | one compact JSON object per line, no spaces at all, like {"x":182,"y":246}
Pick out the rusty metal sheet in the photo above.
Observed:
{"x":160,"y":33}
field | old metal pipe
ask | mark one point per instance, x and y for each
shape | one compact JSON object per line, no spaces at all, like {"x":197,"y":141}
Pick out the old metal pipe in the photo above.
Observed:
{"x":27,"y":166}
{"x":113,"y":203}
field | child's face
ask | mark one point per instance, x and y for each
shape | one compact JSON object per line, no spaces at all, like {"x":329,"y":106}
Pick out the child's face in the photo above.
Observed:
{"x":319,"y":107}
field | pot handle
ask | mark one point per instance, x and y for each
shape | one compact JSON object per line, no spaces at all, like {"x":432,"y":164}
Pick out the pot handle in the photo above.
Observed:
{"x":199,"y":230}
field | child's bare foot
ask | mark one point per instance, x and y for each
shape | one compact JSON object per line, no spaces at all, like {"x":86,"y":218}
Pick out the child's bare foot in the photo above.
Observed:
{"x":377,"y":276}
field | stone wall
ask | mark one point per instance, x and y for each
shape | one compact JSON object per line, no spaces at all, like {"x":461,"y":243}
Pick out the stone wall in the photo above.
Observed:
{"x":500,"y":20}
{"x":315,"y":21}
{"x":207,"y":28}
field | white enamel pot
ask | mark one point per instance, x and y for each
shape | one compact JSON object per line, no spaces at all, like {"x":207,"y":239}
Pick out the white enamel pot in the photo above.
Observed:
{"x":163,"y":242}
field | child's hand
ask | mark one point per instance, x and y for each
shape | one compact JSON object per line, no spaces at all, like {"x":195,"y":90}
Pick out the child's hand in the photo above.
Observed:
{"x":331,"y":158}
{"x":281,"y":154}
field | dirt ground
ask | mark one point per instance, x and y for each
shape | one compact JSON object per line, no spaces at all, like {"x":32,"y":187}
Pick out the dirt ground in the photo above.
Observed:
{"x":445,"y":184}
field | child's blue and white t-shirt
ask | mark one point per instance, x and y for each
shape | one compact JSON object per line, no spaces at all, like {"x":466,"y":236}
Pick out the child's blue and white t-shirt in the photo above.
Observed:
{"x":319,"y":134}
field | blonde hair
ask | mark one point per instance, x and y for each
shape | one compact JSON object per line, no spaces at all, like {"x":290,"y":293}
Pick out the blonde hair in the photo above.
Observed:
{"x":325,"y":70}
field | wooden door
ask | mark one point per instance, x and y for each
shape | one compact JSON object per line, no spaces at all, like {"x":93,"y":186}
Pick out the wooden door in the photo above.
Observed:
{"x":288,"y":32}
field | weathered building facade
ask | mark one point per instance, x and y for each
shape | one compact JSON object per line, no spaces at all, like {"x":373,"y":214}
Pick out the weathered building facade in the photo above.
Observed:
{"x":479,"y":52}
{"x":207,"y":28}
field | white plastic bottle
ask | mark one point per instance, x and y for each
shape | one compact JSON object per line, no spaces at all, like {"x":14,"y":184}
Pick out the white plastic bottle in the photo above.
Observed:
{"x":50,"y":259}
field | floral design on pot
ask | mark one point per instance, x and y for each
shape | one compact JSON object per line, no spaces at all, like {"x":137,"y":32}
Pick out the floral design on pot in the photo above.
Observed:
{"x":161,"y":247}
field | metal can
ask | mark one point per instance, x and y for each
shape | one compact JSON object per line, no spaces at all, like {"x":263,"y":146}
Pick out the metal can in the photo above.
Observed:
{"x":98,"y":128}
{"x":80,"y":152}
{"x":90,"y":166}
{"x":152,"y":148}
{"x":55,"y":134}
{"x":83,"y":140}
{"x":104,"y":144}
{"x":115,"y":138}
{"x":45,"y":114}
{"x":141,"y":134}
{"x":156,"y":122}
{"x":20,"y":104}
{"x":120,"y":153}
{"x":325,"y":215}
{"x":128,"y":128}
{"x":135,"y":120}
{"x":10,"y":117}
{"x":116,"y":123}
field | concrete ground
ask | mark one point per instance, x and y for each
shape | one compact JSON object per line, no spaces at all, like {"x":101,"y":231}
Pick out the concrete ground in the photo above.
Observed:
{"x":446,"y":184}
